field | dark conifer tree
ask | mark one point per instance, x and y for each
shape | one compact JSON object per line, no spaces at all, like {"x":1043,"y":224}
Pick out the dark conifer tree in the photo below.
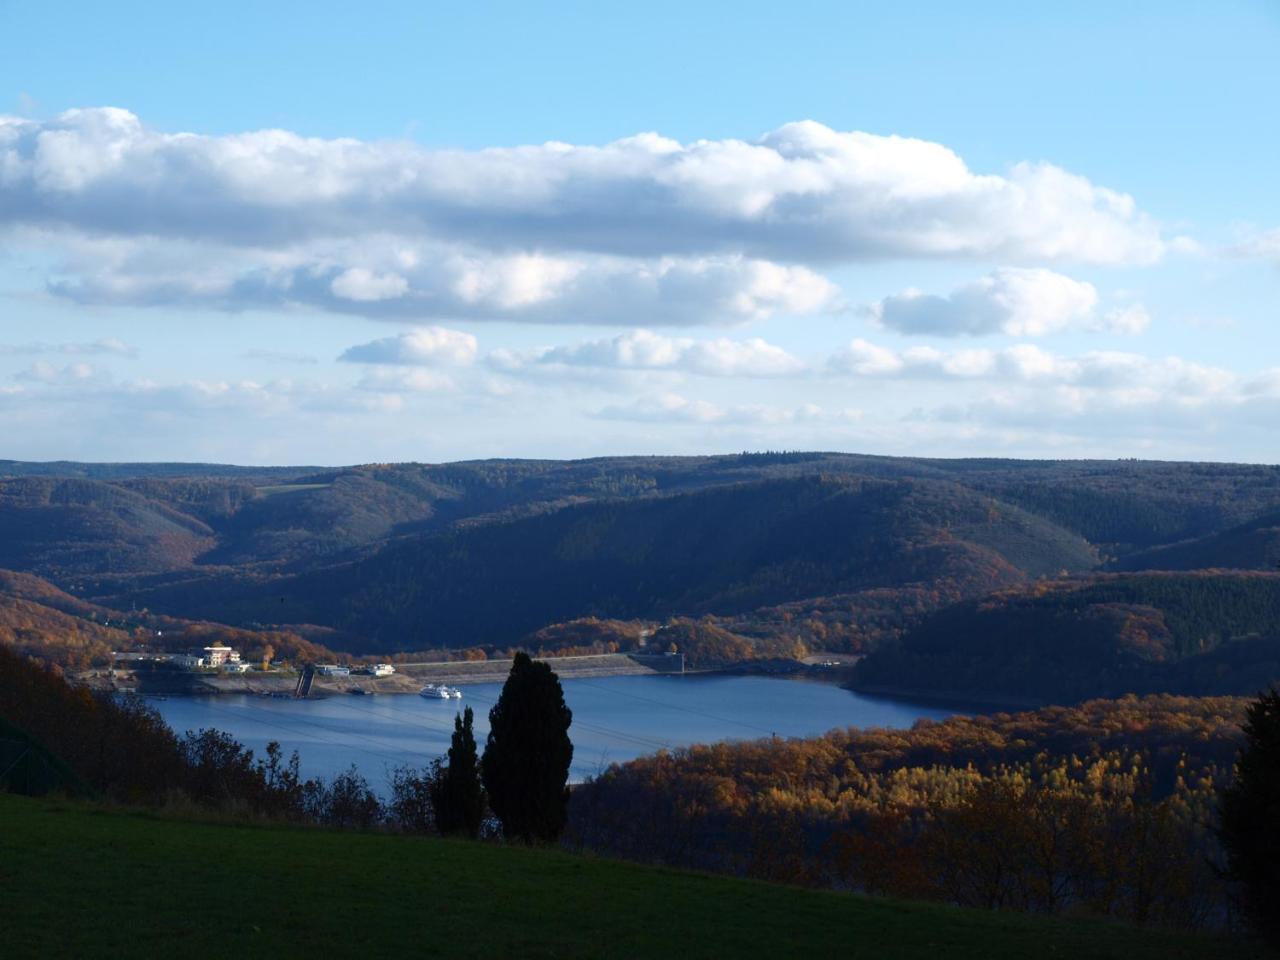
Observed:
{"x":526,"y":760}
{"x":1249,"y":822}
{"x":457,"y":794}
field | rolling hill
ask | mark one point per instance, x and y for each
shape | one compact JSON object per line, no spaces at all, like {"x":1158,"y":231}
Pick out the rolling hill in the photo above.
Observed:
{"x":855,"y":549}
{"x":1197,"y":633}
{"x":715,"y":551}
{"x":1251,"y":546}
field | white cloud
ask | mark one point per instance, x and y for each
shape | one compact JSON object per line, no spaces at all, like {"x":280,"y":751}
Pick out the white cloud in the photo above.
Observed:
{"x":646,"y":350}
{"x":1132,"y":320}
{"x":1125,"y":378}
{"x":1020,"y":302}
{"x":42,"y":372}
{"x":644,"y":230}
{"x":803,"y":187}
{"x":365,"y":286}
{"x":428,"y":346}
{"x":420,"y":281}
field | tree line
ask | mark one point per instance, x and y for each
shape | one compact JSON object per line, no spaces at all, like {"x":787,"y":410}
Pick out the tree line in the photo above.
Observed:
{"x":118,"y":749}
{"x":1106,"y":808}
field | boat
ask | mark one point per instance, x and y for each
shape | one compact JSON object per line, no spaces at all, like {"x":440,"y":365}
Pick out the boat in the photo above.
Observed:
{"x":434,"y":691}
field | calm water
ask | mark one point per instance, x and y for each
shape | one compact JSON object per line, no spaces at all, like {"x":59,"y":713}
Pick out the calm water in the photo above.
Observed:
{"x":614,"y":719}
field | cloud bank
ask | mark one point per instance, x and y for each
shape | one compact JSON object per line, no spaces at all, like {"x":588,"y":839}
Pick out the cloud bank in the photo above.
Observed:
{"x":430,"y":346}
{"x":1020,"y":302}
{"x":643,"y":231}
{"x":646,"y":350}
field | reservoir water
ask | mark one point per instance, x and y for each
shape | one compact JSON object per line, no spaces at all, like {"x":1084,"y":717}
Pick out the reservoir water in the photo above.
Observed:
{"x":614,"y":719}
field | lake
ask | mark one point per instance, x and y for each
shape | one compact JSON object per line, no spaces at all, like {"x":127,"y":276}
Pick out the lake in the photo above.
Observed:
{"x":614,"y":719}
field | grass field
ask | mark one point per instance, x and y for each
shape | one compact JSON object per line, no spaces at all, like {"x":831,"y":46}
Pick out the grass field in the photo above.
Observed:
{"x":80,"y":882}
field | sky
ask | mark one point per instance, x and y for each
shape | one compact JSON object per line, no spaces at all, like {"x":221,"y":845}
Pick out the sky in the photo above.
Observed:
{"x":326,"y":233}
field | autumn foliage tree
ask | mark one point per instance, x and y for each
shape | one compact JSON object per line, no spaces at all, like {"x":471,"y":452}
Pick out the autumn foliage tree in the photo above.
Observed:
{"x":526,"y":759}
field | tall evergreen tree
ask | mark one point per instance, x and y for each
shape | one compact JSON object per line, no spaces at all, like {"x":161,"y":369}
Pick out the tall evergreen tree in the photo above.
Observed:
{"x":457,"y":794}
{"x":1249,"y":817}
{"x":526,"y":760}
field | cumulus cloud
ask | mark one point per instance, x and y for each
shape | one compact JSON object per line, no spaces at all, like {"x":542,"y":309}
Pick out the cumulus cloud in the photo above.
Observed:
{"x":1020,"y":302}
{"x":712,"y":230}
{"x":646,"y":350}
{"x":422,"y":281}
{"x":366,"y":286}
{"x":429,"y":346}
{"x":803,"y":187}
{"x":1126,"y":377}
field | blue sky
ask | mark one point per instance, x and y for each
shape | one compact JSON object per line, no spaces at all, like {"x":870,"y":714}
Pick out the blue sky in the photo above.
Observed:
{"x":1076,"y":253}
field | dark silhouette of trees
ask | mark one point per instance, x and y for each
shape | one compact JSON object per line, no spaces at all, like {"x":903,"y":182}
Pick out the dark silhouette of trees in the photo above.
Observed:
{"x":526,"y":760}
{"x":456,"y":791}
{"x":1249,"y":817}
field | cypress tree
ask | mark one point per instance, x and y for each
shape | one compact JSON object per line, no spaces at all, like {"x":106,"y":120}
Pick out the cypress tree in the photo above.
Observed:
{"x":526,"y":759}
{"x":1249,"y":817}
{"x":457,"y":794}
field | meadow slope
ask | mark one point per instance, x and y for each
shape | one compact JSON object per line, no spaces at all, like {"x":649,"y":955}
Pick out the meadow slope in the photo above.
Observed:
{"x":78,"y":881}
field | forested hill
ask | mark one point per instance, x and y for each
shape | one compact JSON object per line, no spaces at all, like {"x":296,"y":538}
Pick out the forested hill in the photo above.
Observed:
{"x":715,"y":551}
{"x":1196,"y":633}
{"x":91,"y":520}
{"x":406,"y":555}
{"x":1251,"y":546}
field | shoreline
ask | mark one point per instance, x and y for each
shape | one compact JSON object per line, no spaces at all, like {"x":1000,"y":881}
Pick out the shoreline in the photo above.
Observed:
{"x":409,"y":678}
{"x":985,"y":704}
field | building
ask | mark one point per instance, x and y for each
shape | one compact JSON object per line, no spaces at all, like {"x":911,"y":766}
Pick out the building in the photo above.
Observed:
{"x":382,"y":670}
{"x":332,"y":670}
{"x":217,"y":655}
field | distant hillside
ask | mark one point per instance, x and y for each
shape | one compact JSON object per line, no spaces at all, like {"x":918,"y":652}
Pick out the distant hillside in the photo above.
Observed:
{"x":718,"y":551}
{"x":1250,"y":546}
{"x":1201,"y":633}
{"x":488,"y":551}
{"x":64,"y":528}
{"x":1128,"y":505}
{"x":128,"y":471}
{"x":39,"y":620}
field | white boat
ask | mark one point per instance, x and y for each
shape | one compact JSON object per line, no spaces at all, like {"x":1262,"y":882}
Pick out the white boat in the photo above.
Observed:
{"x":434,"y":691}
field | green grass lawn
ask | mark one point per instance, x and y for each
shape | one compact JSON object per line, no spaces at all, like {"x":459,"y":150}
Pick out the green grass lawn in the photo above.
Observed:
{"x":80,"y":882}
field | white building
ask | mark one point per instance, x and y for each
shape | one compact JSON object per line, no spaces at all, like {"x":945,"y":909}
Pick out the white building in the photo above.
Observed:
{"x":217,"y":655}
{"x":382,"y":670}
{"x":332,"y":670}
